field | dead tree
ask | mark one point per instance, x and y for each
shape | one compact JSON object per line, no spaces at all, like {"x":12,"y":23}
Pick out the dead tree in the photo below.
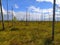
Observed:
{"x":53,"y":22}
{"x":7,"y":13}
{"x":2,"y":15}
{"x":12,"y":17}
{"x":26,"y":18}
{"x":29,"y":16}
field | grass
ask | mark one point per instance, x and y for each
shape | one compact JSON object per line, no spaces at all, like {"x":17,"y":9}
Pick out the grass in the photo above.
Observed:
{"x":34,"y":33}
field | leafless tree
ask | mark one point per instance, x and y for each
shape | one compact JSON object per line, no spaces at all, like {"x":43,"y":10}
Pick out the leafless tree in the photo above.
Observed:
{"x":26,"y":17}
{"x":2,"y":15}
{"x":29,"y":16}
{"x":12,"y":17}
{"x":7,"y":13}
{"x":53,"y":22}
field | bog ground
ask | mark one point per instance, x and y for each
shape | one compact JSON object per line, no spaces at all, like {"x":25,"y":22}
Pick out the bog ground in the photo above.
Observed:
{"x":30,"y":33}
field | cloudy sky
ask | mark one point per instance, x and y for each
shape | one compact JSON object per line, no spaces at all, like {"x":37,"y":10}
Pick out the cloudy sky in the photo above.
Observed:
{"x":37,"y":9}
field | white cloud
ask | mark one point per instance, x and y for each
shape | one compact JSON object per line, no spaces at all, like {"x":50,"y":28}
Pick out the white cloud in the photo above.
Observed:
{"x":36,"y":15}
{"x":16,"y":6}
{"x":9,"y":11}
{"x":37,"y":9}
{"x":30,"y":16}
{"x":33,"y":8}
{"x":57,"y":1}
{"x":45,"y":0}
{"x":4,"y":11}
{"x":49,"y":12}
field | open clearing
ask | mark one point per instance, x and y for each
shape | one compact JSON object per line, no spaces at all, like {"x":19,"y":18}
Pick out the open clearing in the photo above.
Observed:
{"x":30,"y":33}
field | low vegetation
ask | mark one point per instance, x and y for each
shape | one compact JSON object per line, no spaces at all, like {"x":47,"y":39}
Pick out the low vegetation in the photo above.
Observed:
{"x":35,"y":33}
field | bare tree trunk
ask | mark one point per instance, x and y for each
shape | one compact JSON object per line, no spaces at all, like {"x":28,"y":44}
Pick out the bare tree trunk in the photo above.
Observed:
{"x":2,"y":15}
{"x":53,"y":22}
{"x":26,"y":17}
{"x":7,"y":13}
{"x":12,"y":17}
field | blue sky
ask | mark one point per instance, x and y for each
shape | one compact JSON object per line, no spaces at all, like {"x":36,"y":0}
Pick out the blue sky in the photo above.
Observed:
{"x":39,"y":6}
{"x":23,"y":4}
